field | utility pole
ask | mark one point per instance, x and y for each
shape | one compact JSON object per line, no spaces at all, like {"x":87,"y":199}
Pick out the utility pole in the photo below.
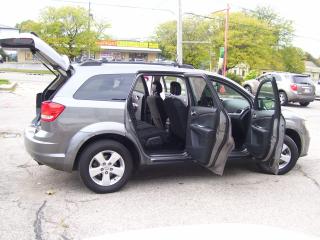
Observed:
{"x":179,"y":34}
{"x":226,"y":41}
{"x":89,"y":27}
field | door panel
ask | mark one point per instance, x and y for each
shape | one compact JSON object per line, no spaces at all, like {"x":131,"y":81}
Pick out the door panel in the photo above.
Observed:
{"x":203,"y":123}
{"x":267,"y":126}
{"x":209,"y":139}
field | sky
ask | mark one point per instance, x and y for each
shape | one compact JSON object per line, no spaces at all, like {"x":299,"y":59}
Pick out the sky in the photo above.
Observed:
{"x":137,"y":22}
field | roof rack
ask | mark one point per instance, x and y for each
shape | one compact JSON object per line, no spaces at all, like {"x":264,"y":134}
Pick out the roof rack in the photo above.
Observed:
{"x":99,"y":63}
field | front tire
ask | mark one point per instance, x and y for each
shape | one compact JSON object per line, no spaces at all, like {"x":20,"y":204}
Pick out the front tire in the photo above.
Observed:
{"x":288,"y":159}
{"x":105,"y":166}
{"x":304,"y":104}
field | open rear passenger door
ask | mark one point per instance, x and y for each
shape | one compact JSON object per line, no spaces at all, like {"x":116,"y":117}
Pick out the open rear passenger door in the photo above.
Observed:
{"x":267,"y":127}
{"x":209,"y":139}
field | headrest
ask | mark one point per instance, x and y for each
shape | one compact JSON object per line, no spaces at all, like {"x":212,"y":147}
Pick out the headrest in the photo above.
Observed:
{"x":175,"y":88}
{"x":158,"y":87}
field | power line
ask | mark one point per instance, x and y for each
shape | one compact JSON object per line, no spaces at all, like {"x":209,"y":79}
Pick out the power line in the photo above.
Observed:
{"x":117,"y":5}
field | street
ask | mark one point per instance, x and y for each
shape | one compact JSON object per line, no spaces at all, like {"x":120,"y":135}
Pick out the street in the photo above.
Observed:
{"x":38,"y":202}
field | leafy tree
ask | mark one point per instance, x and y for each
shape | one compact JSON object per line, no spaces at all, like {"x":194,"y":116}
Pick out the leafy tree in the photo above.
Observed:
{"x":293,"y":59}
{"x":194,"y":30}
{"x":252,"y":74}
{"x":251,"y":40}
{"x":283,"y":28}
{"x":309,"y":57}
{"x":67,"y":29}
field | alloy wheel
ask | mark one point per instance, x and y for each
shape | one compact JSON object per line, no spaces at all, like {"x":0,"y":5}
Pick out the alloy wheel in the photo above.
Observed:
{"x":285,"y":157}
{"x":106,"y":168}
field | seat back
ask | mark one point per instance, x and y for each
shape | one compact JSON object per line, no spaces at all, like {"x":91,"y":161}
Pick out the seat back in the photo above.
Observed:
{"x":156,"y":106}
{"x":177,"y":111}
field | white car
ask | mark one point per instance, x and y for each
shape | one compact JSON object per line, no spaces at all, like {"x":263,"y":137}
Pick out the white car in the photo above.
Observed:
{"x":318,"y":89}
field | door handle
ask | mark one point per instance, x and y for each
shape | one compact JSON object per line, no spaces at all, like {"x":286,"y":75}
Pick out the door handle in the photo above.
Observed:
{"x":193,"y":113}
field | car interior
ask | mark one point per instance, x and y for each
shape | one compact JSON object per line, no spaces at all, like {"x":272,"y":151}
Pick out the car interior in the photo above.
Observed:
{"x":159,"y":111}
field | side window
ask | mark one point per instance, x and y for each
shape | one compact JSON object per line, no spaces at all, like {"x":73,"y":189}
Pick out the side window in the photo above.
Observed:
{"x":201,"y":92}
{"x":106,"y":87}
{"x":183,"y":95}
{"x":233,"y":101}
{"x":266,"y":97}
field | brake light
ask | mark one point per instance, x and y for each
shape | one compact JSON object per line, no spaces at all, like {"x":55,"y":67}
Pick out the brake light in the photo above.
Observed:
{"x":294,"y":87}
{"x":50,"y":111}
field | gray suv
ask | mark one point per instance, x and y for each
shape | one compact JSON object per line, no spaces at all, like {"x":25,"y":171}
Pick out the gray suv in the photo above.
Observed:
{"x":292,"y":87}
{"x":106,"y":120}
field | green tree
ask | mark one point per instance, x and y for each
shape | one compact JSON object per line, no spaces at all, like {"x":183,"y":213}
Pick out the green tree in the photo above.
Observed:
{"x":196,"y":51}
{"x":67,"y":29}
{"x":250,"y":40}
{"x":283,"y":28}
{"x":293,"y":59}
{"x":309,"y":57}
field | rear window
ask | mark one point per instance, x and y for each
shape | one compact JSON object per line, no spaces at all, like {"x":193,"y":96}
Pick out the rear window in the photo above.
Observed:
{"x":106,"y":87}
{"x":302,"y":79}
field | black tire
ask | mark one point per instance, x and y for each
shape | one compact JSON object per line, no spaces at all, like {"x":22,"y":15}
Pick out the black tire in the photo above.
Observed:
{"x":88,"y":154}
{"x":294,"y":157}
{"x":304,"y":104}
{"x":283,"y":95}
{"x":248,"y":88}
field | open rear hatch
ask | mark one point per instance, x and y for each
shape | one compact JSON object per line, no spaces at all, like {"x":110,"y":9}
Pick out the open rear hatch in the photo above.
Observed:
{"x":47,"y":55}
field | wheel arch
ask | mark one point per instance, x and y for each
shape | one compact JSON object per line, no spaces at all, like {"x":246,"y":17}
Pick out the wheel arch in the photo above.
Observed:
{"x":111,"y":136}
{"x":294,"y":135}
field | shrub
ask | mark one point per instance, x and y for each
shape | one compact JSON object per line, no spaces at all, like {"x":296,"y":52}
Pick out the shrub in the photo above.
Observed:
{"x":235,"y":78}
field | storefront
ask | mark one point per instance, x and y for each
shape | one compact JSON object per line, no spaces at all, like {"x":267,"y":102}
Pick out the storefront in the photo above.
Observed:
{"x":120,"y":50}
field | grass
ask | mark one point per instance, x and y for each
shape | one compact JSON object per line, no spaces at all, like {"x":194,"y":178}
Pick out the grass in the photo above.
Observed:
{"x":25,"y":71}
{"x":4,"y":81}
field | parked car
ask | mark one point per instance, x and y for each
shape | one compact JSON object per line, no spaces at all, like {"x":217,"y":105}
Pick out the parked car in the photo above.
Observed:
{"x":318,"y":89}
{"x":292,"y":87}
{"x":106,"y":121}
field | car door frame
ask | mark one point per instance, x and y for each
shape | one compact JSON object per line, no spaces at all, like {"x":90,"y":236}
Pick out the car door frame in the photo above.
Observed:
{"x":275,"y":139}
{"x":223,"y":144}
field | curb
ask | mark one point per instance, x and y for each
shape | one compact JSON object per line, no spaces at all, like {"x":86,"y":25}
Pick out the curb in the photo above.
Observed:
{"x":8,"y":87}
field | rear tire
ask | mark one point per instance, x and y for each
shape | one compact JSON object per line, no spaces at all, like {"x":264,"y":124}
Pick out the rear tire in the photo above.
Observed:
{"x":289,"y":157}
{"x":304,"y":104}
{"x":283,"y":98}
{"x":105,"y":166}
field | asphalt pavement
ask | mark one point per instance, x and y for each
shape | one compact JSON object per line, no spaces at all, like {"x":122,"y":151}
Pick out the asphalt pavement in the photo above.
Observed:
{"x":37,"y":202}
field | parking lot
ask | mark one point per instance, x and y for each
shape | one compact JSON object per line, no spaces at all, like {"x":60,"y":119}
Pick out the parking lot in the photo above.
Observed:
{"x":38,"y":202}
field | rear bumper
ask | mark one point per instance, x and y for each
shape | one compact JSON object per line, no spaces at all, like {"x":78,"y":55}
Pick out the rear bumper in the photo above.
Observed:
{"x":295,"y":97}
{"x":43,"y":151}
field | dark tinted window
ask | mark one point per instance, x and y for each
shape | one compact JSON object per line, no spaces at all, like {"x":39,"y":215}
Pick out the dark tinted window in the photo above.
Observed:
{"x":106,"y":87}
{"x":301,"y":79}
{"x":201,"y":92}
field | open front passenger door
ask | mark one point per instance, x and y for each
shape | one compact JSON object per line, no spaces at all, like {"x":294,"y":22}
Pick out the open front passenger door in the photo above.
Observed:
{"x":209,"y":139}
{"x":267,"y":127}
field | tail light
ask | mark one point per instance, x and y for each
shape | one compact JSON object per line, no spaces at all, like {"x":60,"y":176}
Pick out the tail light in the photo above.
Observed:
{"x":50,"y":111}
{"x":294,"y":87}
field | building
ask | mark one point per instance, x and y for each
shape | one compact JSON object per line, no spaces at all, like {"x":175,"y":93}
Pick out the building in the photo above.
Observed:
{"x":122,"y":50}
{"x":240,"y":69}
{"x":312,"y":69}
